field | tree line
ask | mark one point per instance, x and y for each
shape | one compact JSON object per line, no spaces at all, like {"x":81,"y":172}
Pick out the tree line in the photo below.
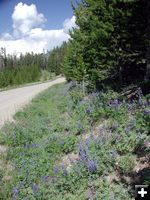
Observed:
{"x":15,"y":70}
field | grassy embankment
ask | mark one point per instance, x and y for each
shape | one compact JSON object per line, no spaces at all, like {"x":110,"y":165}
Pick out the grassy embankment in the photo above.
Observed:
{"x":66,"y":146}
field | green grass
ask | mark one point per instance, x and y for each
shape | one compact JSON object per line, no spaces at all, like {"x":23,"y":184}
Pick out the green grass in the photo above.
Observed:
{"x":61,"y":122}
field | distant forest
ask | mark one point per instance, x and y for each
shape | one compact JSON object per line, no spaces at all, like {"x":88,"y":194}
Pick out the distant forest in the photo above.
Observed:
{"x":109,"y":47}
{"x":30,"y":67}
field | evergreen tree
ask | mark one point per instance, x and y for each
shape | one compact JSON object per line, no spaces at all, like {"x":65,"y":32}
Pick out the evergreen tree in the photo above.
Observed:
{"x":111,"y":40}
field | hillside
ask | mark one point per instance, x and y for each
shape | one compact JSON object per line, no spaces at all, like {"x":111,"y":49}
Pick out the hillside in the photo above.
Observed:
{"x":76,"y":147}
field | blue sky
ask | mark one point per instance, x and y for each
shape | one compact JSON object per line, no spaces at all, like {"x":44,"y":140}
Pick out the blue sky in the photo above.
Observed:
{"x":55,"y":11}
{"x":44,"y":23}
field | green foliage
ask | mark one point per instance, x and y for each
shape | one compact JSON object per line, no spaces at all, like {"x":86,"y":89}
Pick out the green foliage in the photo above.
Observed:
{"x":68,"y":145}
{"x":126,"y":163}
{"x":65,"y":148}
{"x":19,"y":75}
{"x":46,"y":75}
{"x":109,"y":44}
{"x":55,"y":59}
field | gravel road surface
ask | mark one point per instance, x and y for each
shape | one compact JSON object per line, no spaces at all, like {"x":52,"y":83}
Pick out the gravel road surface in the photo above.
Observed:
{"x":13,"y":100}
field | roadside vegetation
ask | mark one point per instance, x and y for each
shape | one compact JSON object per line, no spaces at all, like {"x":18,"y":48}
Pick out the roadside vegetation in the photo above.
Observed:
{"x":70,"y":145}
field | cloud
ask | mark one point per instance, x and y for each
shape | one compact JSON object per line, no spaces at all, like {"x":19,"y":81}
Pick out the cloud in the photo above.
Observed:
{"x":69,"y":24}
{"x":35,"y":42}
{"x":28,"y":34}
{"x":25,"y":18}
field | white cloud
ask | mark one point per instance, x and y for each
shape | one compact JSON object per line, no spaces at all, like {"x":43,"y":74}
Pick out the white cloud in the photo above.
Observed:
{"x":35,"y":42}
{"x":25,"y":18}
{"x":69,"y":24}
{"x":28,"y":35}
{"x":6,"y":36}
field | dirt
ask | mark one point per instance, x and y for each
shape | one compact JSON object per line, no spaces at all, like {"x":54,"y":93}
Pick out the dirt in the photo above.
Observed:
{"x":13,"y":100}
{"x":3,"y":149}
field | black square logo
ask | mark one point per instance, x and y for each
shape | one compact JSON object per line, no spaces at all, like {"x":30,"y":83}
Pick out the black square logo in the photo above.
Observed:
{"x":142,"y":192}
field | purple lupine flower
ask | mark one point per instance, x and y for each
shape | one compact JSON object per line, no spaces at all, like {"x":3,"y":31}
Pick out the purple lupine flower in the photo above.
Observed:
{"x":89,"y":194}
{"x":14,"y":136}
{"x":56,"y":170}
{"x":114,"y":103}
{"x":126,"y":129}
{"x":35,"y":188}
{"x":23,"y":162}
{"x":15,"y":193}
{"x":82,"y":102}
{"x":83,"y":152}
{"x":65,"y":172}
{"x":34,"y":145}
{"x":89,"y":109}
{"x":91,"y":136}
{"x":145,"y":103}
{"x":92,"y":166}
{"x":114,"y":154}
{"x":87,"y":141}
{"x":95,"y":94}
{"x":146,"y":112}
{"x":45,"y":179}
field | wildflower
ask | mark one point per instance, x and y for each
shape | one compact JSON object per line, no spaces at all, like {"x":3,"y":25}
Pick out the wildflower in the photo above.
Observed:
{"x":92,"y":166}
{"x":145,"y":103}
{"x":15,"y":193}
{"x":114,"y":154}
{"x":126,"y":129}
{"x":65,"y":172}
{"x":147,"y":143}
{"x":114,"y":103}
{"x":95,"y":94}
{"x":87,"y":141}
{"x":91,"y":136}
{"x":35,"y":188}
{"x":89,"y":109}
{"x":56,"y":170}
{"x":83,"y":101}
{"x":89,"y":194}
{"x":45,"y":179}
{"x":83,"y":153}
{"x":146,"y":112}
{"x":34,"y":145}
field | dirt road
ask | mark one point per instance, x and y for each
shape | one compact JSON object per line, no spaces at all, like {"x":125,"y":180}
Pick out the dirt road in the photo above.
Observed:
{"x":12,"y":100}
